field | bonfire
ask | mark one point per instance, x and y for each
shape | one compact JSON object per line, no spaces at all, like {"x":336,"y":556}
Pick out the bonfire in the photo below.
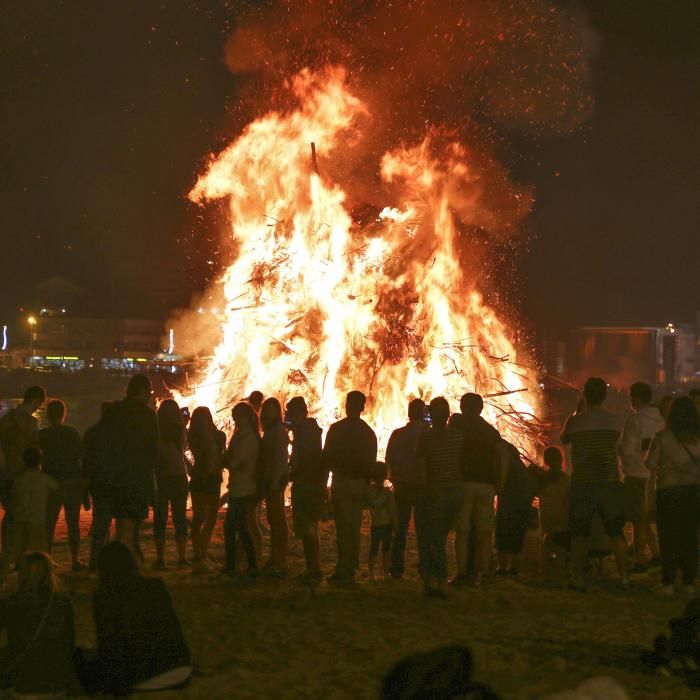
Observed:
{"x":321,"y":300}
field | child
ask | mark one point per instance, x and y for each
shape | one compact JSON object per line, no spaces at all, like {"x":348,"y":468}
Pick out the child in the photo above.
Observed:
{"x":554,"y":502}
{"x":29,"y":500}
{"x":382,"y":508}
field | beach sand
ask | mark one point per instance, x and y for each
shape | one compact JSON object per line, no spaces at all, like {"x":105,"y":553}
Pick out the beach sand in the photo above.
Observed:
{"x":279,"y":639}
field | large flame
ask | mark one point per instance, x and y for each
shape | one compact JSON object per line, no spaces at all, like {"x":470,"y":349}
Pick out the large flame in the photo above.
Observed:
{"x":317,"y":305}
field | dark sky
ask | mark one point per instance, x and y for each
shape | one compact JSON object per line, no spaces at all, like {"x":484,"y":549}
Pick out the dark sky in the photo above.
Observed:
{"x":109,"y":109}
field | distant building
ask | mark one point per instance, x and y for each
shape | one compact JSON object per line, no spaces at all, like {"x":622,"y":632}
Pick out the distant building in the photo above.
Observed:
{"x":662,"y":356}
{"x":64,"y":342}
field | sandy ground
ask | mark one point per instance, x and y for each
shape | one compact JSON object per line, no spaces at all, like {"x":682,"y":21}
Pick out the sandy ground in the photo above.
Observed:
{"x":530,"y":636}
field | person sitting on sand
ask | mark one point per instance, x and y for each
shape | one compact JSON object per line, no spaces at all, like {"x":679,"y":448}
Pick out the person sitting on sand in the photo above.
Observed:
{"x":384,"y":520}
{"x":140,"y":645}
{"x":29,"y":500}
{"x":38,"y":659}
{"x":679,"y":653}
{"x":443,"y":674}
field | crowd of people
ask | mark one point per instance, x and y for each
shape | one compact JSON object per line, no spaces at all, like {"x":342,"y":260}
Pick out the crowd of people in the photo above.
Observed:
{"x":442,"y":472}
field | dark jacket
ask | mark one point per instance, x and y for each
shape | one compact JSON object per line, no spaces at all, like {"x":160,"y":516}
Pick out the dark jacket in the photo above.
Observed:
{"x":480,"y":458}
{"x":401,"y":454}
{"x":130,"y":444}
{"x":40,"y":663}
{"x":138,"y":634}
{"x":306,"y":463}
{"x":350,"y":449}
{"x":62,"y":450}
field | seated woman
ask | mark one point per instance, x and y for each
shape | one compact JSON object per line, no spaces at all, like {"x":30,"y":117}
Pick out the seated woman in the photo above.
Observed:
{"x":38,"y":660}
{"x":140,"y":645}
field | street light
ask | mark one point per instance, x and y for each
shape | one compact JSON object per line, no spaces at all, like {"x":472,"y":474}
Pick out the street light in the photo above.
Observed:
{"x":32,"y":336}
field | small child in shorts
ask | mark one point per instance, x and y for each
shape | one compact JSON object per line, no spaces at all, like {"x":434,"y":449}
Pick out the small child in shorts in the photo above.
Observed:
{"x":27,"y":532}
{"x":384,"y":520}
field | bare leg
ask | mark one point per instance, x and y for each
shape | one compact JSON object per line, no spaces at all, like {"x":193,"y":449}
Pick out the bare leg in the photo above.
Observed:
{"x":619,"y":546}
{"x":462,"y":551}
{"x":640,"y":542}
{"x":579,"y":551}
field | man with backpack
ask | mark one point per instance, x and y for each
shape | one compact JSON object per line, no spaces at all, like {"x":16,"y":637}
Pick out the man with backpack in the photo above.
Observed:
{"x":483,"y":464}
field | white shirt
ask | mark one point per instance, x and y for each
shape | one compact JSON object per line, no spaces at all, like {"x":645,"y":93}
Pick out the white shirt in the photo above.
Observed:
{"x":639,"y":429}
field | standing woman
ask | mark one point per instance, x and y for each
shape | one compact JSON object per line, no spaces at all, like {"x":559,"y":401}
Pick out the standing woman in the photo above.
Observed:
{"x":171,"y":483}
{"x":207,"y":445}
{"x":241,"y":460}
{"x":674,"y":456}
{"x":274,"y":465}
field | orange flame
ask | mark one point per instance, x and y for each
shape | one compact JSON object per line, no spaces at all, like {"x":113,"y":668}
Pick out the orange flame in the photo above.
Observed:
{"x":318,"y":307}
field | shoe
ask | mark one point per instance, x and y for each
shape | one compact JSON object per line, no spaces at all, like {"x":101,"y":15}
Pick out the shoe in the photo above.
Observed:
{"x":501,"y":572}
{"x":79,"y":566}
{"x":273,"y":572}
{"x":435,"y":593}
{"x":667,"y":590}
{"x":159,"y":566}
{"x":339,"y":580}
{"x":184,"y":564}
{"x":638,"y":568}
{"x":459,"y":581}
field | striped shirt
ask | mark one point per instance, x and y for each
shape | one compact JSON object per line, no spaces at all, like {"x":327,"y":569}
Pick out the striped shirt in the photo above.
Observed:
{"x":441,"y":450}
{"x":593,"y":437}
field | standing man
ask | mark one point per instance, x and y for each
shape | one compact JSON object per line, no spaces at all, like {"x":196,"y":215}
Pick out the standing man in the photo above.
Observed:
{"x":350,"y":453}
{"x":19,"y":430}
{"x":407,"y":480}
{"x":62,"y":449}
{"x":595,"y":484}
{"x":483,"y":465}
{"x":131,"y":432}
{"x":308,"y":483}
{"x":645,"y":421}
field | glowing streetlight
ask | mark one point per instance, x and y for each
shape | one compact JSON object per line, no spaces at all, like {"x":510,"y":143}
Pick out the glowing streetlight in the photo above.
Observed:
{"x":32,"y":336}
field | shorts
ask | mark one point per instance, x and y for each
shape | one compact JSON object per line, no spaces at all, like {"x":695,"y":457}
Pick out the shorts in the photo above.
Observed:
{"x":380,"y":535}
{"x":307,"y":501}
{"x":606,"y":499}
{"x":477,"y":511}
{"x":209,"y":484}
{"x":130,"y":504}
{"x":635,"y":493}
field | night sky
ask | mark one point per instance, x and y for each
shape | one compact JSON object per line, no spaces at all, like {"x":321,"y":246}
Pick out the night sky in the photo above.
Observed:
{"x":109,"y":110}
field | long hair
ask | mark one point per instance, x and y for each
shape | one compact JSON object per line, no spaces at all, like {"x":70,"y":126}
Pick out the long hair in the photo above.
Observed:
{"x":170,"y":422}
{"x":244,"y":414}
{"x":683,"y":420}
{"x":270,"y":413}
{"x":117,"y":567}
{"x":36,"y":573}
{"x":202,"y":427}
